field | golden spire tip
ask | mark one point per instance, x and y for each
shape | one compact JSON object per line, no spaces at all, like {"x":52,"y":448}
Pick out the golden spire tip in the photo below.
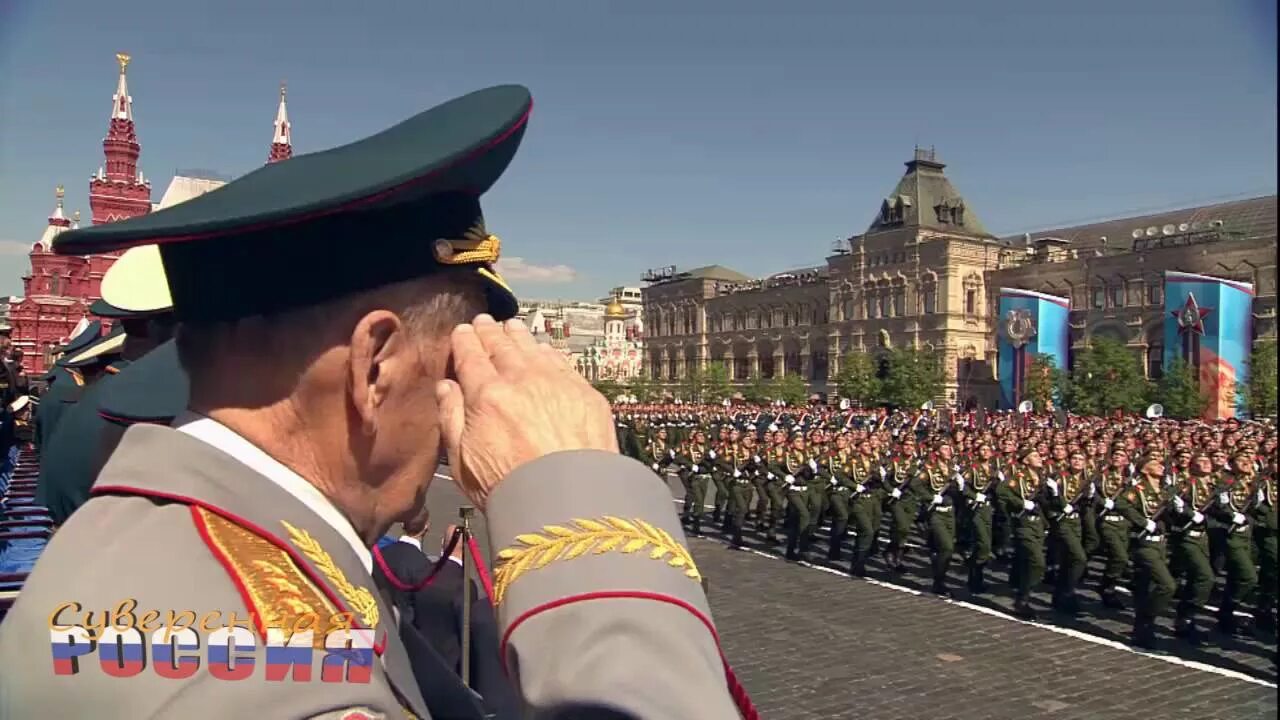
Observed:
{"x":59,"y":192}
{"x":123,"y":59}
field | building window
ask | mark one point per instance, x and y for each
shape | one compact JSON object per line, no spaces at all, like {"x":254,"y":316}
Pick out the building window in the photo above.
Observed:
{"x":899,"y":302}
{"x":1155,"y":294}
{"x":1155,"y":362}
{"x":930,"y":300}
{"x":971,"y":302}
{"x":1115,"y":296}
{"x":1099,"y":299}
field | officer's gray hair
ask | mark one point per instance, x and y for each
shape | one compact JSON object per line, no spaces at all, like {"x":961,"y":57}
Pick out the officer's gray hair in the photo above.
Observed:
{"x":430,"y":308}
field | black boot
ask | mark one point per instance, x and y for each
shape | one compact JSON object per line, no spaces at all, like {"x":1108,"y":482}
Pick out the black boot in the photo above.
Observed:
{"x":1111,"y":598}
{"x":727,"y":526}
{"x":806,"y":542}
{"x":1184,"y":626}
{"x":1144,"y":633}
{"x":940,"y":586}
{"x":1264,"y":621}
{"x":695,"y":525}
{"x":977,"y":578}
{"x":737,"y":535}
{"x":1023,"y":609}
{"x":1227,"y":624}
{"x":793,"y":542}
{"x":859,"y":566}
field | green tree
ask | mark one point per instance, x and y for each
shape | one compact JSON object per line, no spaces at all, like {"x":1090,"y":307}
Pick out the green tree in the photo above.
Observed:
{"x":1107,"y":377}
{"x":642,"y":387}
{"x":1179,"y":392}
{"x":1259,"y":393}
{"x":914,"y":377}
{"x":715,"y":383}
{"x":689,"y":388}
{"x":608,"y":388}
{"x":857,"y":379}
{"x":789,"y":388}
{"x":1044,"y":382}
{"x":757,"y":390}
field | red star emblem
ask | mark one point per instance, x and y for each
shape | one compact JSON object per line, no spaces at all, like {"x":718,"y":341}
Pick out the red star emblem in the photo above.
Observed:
{"x":1191,"y":317}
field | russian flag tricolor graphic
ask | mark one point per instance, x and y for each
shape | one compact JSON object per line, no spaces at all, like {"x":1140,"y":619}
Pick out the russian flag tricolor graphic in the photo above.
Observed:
{"x":231,"y":652}
{"x":68,"y":646}
{"x":123,"y":653}
{"x":295,"y":652}
{"x":178,"y":656}
{"x":349,"y":650}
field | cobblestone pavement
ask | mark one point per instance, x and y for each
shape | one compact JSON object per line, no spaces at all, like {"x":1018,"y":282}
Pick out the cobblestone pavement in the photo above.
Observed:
{"x":810,"y":642}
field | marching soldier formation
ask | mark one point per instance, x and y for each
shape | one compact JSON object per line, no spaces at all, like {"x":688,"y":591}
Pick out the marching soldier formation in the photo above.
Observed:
{"x":1170,"y":508}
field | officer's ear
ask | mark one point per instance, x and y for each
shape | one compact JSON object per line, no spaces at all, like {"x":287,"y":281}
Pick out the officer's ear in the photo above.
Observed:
{"x":382,"y":355}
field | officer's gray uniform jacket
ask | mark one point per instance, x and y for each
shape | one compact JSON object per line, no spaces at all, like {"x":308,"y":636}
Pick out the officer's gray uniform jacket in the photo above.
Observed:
{"x":591,"y":614}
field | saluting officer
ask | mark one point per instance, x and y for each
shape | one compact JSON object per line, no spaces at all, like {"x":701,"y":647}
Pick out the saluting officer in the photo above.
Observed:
{"x":359,"y":368}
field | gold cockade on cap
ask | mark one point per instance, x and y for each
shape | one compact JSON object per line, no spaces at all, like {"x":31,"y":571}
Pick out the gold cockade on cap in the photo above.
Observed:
{"x":475,"y":246}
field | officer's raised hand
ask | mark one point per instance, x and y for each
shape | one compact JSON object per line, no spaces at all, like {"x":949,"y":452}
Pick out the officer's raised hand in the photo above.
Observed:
{"x":513,"y":401}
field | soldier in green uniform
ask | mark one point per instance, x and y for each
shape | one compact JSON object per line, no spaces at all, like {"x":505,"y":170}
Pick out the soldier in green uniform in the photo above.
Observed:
{"x":720,"y":504}
{"x":939,"y":480}
{"x":1143,"y":507}
{"x":865,"y":509}
{"x":737,"y":464}
{"x":799,"y":472}
{"x":695,"y":461}
{"x":1234,"y":503}
{"x":1001,"y":523}
{"x":1189,"y":543}
{"x":776,"y":486}
{"x":657,"y":454}
{"x":1113,"y":529}
{"x":1068,"y":489}
{"x":818,"y":489}
{"x":978,"y":515}
{"x":901,"y":484}
{"x":838,"y":465}
{"x":1018,"y":498}
{"x":1263,"y":516}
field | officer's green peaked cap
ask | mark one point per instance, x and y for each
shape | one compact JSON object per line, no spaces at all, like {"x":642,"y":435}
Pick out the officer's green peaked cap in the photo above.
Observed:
{"x":399,"y":205}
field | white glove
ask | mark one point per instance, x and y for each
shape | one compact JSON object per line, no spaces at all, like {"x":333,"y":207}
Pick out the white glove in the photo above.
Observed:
{"x":834,"y":482}
{"x":1237,"y":518}
{"x":1262,"y":496}
{"x":859,"y":489}
{"x":1224,"y":498}
{"x":1109,"y":504}
{"x":695,"y":469}
{"x":1151,"y":526}
{"x":711,"y":454}
{"x":655,"y":467}
{"x":1197,"y":517}
{"x":896,"y":494}
{"x":883,"y":472}
{"x":937,"y":499}
{"x":755,"y":459}
{"x":737,"y":473}
{"x":672,"y":453}
{"x":1178,"y":503}
{"x":1093,"y":489}
{"x":1028,"y":505}
{"x":1000,"y":475}
{"x":1068,"y":510}
{"x":790,"y":479}
{"x":979,"y":499}
{"x":813,"y":465}
{"x":1053,"y":485}
{"x":770,"y":476}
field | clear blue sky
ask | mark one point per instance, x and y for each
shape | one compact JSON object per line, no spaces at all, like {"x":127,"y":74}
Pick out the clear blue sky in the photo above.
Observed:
{"x":750,"y":133}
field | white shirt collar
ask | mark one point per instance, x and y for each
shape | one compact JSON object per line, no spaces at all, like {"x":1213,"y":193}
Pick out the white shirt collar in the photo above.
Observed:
{"x":232,"y":443}
{"x":410,"y":540}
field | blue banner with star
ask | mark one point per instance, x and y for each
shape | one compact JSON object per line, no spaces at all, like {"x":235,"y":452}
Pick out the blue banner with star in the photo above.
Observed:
{"x":1031,"y":323}
{"x":1209,"y":324}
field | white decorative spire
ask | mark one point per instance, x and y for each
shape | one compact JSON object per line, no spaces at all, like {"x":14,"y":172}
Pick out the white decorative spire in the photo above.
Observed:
{"x":282,"y":136}
{"x":121,"y":103}
{"x":57,"y":209}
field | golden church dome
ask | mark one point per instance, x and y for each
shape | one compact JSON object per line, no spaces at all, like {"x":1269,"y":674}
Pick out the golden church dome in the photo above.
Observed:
{"x":615,"y":310}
